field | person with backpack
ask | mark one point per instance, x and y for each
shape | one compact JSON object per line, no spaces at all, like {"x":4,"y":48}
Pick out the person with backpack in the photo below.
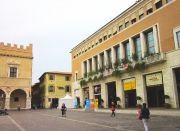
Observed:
{"x":63,"y":110}
{"x":145,"y":116}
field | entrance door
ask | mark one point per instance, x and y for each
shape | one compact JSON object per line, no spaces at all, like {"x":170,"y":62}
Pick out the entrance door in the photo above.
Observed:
{"x":55,"y":102}
{"x":155,"y":96}
{"x":177,"y":73}
{"x":111,"y":87}
{"x":130,"y":98}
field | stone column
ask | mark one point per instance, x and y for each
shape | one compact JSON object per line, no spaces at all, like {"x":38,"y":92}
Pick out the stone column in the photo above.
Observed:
{"x":156,"y":39}
{"x":28,"y":102}
{"x":7,"y":102}
{"x":88,"y":66}
{"x":93,"y":64}
{"x":143,"y":44}
{"x":141,"y":88}
{"x":105,"y":58}
{"x":122,"y":52}
{"x":170,"y":86}
{"x":99,"y":61}
{"x":113,"y":56}
{"x":91,"y":93}
{"x":104,"y":94}
{"x":119,"y":92}
{"x":132,"y":48}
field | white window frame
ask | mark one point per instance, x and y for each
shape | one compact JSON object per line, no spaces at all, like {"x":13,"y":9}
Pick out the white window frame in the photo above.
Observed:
{"x":175,"y":30}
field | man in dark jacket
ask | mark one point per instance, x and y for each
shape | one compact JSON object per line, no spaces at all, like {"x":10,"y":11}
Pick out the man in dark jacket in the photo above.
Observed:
{"x":145,"y":116}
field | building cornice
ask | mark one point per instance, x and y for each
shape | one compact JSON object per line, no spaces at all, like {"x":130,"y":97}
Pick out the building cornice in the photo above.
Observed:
{"x":108,"y":24}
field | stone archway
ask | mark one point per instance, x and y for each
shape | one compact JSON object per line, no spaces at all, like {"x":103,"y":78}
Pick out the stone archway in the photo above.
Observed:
{"x":2,"y":99}
{"x":18,"y":98}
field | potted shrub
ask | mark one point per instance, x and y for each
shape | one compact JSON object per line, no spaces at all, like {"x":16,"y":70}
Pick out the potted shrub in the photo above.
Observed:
{"x":139,"y":100}
{"x":118,"y":100}
{"x":116,"y":73}
{"x":83,"y":82}
{"x":130,"y":68}
{"x":167,"y":98}
{"x":102,"y":103}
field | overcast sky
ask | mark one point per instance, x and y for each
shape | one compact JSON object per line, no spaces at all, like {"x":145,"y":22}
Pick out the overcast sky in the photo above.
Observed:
{"x":54,"y":27}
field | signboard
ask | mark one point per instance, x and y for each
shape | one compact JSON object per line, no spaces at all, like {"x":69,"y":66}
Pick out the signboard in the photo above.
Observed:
{"x":129,"y":84}
{"x":154,"y":79}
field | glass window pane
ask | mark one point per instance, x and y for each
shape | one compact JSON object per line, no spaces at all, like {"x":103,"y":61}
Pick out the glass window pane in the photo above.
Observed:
{"x":138,"y":47}
{"x":127,"y":51}
{"x":150,"y":42}
{"x":178,"y":38}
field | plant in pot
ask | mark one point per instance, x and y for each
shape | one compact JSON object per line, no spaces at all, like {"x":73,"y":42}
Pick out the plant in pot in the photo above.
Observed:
{"x":102,"y":103}
{"x":118,"y":100}
{"x":139,"y":100}
{"x":167,"y":99}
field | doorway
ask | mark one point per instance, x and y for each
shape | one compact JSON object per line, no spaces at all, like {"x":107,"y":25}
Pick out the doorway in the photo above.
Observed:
{"x":130,"y":98}
{"x":111,"y":88}
{"x":177,"y":74}
{"x":55,"y":102}
{"x":155,"y":96}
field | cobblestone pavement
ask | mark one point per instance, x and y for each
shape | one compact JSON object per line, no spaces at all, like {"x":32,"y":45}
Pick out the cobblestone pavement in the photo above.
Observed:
{"x":51,"y":120}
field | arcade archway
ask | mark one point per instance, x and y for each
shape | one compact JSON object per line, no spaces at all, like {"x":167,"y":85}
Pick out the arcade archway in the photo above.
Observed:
{"x":18,"y":98}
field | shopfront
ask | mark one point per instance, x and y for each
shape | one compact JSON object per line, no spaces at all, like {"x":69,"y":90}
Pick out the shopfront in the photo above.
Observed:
{"x":155,"y":89}
{"x":97,"y":95}
{"x":129,"y":86}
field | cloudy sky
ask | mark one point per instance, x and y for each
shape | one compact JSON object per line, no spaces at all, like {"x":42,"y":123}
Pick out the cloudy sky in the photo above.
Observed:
{"x":54,"y":27}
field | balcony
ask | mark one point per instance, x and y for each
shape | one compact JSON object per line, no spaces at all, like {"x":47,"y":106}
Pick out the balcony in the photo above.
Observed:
{"x":155,"y":58}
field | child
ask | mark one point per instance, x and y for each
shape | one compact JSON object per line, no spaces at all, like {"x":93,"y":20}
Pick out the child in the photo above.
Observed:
{"x":113,"y":109}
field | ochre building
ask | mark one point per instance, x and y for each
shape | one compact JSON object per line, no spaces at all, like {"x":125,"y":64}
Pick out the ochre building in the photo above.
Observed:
{"x":134,"y":58}
{"x":15,"y":76}
{"x":54,"y":85}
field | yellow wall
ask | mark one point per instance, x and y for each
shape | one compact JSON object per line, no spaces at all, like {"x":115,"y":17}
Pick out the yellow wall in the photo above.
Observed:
{"x":20,"y":57}
{"x":58,"y":82}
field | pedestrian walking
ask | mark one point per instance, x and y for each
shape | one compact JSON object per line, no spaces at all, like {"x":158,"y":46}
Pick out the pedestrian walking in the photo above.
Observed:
{"x":113,"y":109}
{"x":63,"y":110}
{"x":139,"y":108}
{"x":145,"y":116}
